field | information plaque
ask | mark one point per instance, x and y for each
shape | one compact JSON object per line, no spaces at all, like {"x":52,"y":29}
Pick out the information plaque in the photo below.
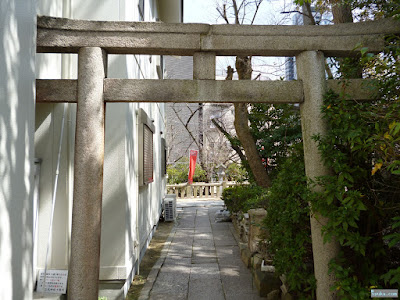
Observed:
{"x":56,"y":281}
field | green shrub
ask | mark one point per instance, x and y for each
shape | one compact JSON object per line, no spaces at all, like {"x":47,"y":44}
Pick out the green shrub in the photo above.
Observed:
{"x":276,"y":128}
{"x":361,"y":197}
{"x":244,"y":197}
{"x":236,"y":172}
{"x":288,"y":224}
{"x":178,"y":173}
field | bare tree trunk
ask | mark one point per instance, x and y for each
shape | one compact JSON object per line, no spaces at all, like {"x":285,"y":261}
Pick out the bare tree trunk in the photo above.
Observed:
{"x":341,"y":11}
{"x":244,"y":70}
{"x":308,"y":18}
{"x":249,"y":144}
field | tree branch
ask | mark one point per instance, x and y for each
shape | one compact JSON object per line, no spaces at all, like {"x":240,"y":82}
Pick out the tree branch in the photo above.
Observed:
{"x":235,"y":8}
{"x":255,"y":13}
{"x":223,"y":13}
{"x":292,"y":11}
{"x":186,"y":127}
{"x":311,"y":20}
{"x":191,"y":116}
{"x":230,"y":139}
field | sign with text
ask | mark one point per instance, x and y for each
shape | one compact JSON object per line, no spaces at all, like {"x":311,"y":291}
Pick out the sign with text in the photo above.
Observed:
{"x":56,"y":281}
{"x":384,"y":293}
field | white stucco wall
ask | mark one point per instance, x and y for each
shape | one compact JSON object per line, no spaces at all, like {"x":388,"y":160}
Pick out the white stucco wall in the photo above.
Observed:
{"x":129,"y":213}
{"x":25,"y":135}
{"x":17,"y":90}
{"x":47,"y":138}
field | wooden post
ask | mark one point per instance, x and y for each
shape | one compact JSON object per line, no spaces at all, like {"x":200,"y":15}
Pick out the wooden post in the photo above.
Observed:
{"x":311,"y":70}
{"x":88,"y":176}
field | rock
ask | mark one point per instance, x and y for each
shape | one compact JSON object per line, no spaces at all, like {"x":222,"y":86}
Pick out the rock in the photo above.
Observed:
{"x":256,"y":218}
{"x":274,"y":295}
{"x":223,"y":216}
{"x":266,"y":282}
{"x":287,"y":296}
{"x":256,"y":261}
{"x":246,"y":256}
{"x":284,"y":289}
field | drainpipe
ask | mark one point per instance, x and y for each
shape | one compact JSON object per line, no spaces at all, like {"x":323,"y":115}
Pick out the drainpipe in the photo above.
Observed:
{"x":54,"y":197}
{"x":137,"y":242}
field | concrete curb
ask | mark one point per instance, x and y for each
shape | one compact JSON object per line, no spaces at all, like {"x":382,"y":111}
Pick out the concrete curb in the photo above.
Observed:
{"x":151,"y":278}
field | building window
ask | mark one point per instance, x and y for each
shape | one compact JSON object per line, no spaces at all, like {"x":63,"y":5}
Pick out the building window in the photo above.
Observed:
{"x":146,"y":149}
{"x":163,"y":157}
{"x":147,"y":155}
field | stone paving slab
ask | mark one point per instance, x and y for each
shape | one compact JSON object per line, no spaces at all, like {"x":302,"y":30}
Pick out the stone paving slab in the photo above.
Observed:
{"x":171,"y":283}
{"x":206,"y":229}
{"x":207,"y":288}
{"x":199,"y":247}
{"x":240,"y":295}
{"x":203,"y":236}
{"x":202,"y":260}
{"x":224,"y":242}
{"x":167,"y":296}
{"x":205,"y":271}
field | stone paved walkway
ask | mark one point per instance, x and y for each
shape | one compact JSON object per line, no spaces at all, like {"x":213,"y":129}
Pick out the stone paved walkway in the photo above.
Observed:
{"x":201,"y":259}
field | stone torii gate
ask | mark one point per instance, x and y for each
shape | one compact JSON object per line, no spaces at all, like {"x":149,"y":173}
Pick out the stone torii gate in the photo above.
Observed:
{"x":93,"y":40}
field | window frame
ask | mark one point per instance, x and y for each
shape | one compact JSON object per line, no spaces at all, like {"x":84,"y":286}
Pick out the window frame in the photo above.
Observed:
{"x":144,"y":123}
{"x":164,"y":156}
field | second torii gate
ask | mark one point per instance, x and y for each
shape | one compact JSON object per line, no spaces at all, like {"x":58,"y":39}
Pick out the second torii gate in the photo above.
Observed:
{"x":93,"y":40}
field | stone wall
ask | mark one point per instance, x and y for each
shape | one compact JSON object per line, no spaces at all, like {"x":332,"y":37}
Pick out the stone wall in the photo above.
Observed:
{"x":253,"y":250}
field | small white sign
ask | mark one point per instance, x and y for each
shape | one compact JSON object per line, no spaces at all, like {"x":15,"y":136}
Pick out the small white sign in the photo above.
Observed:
{"x":56,"y":281}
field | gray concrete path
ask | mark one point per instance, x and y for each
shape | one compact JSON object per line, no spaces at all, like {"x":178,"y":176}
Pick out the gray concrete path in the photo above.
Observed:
{"x":201,"y":259}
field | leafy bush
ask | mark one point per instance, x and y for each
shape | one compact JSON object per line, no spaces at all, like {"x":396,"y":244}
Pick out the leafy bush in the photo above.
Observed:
{"x":178,"y":173}
{"x":276,"y":128}
{"x":361,"y":198}
{"x":244,"y":197}
{"x":235,"y":172}
{"x":288,"y":225}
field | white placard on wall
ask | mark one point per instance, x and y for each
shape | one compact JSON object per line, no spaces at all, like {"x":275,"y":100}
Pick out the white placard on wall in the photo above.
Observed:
{"x":56,"y":281}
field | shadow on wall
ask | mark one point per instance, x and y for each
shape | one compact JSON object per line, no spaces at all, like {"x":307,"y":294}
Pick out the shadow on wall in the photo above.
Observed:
{"x":17,"y":87}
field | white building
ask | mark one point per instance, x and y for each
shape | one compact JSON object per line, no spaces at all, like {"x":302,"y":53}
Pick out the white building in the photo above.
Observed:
{"x":29,"y":148}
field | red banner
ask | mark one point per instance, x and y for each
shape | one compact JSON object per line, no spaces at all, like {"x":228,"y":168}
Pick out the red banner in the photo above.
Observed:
{"x":192,"y":165}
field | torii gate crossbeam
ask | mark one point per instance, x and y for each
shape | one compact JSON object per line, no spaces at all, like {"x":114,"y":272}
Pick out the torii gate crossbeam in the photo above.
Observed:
{"x":92,"y":40}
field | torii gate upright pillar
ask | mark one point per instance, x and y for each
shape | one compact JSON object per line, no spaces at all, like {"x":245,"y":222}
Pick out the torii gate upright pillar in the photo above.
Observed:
{"x":311,"y":70}
{"x":88,"y":176}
